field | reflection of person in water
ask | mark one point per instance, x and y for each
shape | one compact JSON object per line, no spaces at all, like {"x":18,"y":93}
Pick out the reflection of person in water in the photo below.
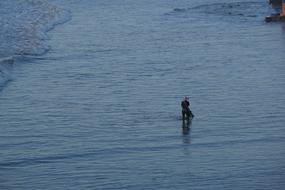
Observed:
{"x":186,"y":130}
{"x":186,"y":127}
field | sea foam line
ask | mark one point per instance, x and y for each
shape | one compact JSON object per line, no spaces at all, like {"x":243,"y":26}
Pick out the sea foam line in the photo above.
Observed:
{"x":31,"y":34}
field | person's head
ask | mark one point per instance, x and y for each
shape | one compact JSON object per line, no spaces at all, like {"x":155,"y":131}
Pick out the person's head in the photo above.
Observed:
{"x":186,"y":98}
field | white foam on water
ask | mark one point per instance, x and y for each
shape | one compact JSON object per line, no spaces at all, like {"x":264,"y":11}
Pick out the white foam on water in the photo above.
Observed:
{"x":24,"y":27}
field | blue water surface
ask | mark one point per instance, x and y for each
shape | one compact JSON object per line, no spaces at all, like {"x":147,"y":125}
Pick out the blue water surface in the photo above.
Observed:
{"x":101,"y":109}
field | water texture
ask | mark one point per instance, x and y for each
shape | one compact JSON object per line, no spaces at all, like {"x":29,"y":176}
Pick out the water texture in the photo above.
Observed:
{"x":101,"y":108}
{"x":23,"y":29}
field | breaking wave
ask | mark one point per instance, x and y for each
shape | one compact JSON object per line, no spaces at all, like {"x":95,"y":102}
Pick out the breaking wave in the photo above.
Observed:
{"x":24,"y":27}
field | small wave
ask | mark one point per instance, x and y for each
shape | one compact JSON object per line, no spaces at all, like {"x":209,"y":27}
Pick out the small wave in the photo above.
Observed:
{"x":245,"y":9}
{"x":179,"y":10}
{"x":231,"y":11}
{"x":6,"y":65}
{"x":94,"y":153}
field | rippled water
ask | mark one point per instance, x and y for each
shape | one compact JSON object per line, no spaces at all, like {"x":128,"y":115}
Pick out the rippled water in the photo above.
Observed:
{"x":101,"y":110}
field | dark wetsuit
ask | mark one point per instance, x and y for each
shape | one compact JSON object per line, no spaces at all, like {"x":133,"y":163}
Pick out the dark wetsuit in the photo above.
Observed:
{"x":185,"y":109}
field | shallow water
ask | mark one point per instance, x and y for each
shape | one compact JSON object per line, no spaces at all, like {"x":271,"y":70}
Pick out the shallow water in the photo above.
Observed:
{"x":101,"y":110}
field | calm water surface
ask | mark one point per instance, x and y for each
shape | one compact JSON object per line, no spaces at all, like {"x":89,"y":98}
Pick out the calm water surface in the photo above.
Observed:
{"x":101,"y":109}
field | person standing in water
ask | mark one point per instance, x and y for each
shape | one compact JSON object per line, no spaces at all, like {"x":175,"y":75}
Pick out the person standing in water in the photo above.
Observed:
{"x":186,"y":112}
